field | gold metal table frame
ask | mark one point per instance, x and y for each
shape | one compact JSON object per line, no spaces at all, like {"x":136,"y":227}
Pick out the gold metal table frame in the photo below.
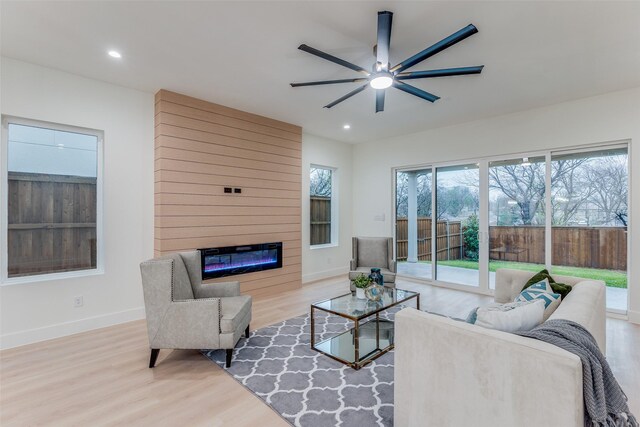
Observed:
{"x":348,"y":343}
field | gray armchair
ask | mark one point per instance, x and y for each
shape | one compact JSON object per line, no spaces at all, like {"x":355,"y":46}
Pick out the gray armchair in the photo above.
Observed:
{"x":370,"y":252}
{"x":184,"y":313}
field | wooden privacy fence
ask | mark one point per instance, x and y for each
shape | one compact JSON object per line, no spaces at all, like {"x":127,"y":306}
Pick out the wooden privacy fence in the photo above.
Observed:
{"x":320,"y":232}
{"x":591,"y":247}
{"x":449,"y":241}
{"x":51,"y":223}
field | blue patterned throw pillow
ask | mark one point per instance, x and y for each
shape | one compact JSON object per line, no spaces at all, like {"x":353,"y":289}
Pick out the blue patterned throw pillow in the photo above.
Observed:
{"x":541,"y":290}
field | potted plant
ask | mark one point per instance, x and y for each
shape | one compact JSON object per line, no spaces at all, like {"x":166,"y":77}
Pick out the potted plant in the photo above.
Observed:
{"x":361,"y":282}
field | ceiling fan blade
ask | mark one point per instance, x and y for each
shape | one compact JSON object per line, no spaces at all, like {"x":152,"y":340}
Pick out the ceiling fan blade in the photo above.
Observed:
{"x":379,"y":100}
{"x":415,"y":91}
{"x":328,"y":82}
{"x":332,"y":58}
{"x":384,"y":38}
{"x":347,"y":96}
{"x":454,"y":38}
{"x":461,"y":71}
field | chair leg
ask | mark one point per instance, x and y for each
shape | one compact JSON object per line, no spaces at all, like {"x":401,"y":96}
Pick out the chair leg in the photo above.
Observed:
{"x":229,"y":354}
{"x":154,"y":356}
{"x":246,"y":332}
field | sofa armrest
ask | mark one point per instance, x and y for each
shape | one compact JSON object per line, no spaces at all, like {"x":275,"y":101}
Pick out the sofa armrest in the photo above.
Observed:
{"x":217,"y":290}
{"x":451,"y":373}
{"x":586,"y":304}
{"x":190,"y":324}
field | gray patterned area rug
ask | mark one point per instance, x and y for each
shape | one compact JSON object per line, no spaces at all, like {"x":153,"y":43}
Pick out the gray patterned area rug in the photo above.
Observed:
{"x":307,"y":388}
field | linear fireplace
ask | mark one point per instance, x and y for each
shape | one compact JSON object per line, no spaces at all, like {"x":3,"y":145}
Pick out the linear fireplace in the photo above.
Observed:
{"x":232,"y":260}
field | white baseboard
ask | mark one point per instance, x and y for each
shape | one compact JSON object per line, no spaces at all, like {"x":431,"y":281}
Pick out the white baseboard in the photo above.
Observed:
{"x":319,"y":275}
{"x":64,"y":329}
{"x":633,"y":316}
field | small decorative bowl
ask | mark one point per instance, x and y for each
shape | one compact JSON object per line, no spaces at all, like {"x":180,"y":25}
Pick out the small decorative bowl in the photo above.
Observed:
{"x":374,"y":292}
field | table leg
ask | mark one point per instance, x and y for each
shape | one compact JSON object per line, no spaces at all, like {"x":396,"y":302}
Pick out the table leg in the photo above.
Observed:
{"x":377,"y":331}
{"x":418,"y":302}
{"x":313,"y":329}
{"x":356,"y":331}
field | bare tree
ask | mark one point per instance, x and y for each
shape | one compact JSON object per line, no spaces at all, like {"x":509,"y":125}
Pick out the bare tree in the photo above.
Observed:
{"x":402,"y":195}
{"x":570,"y":189}
{"x":423,"y":184}
{"x":453,"y":201}
{"x":320,"y":182}
{"x":523,"y":184}
{"x":609,"y":188}
{"x":423,"y":190}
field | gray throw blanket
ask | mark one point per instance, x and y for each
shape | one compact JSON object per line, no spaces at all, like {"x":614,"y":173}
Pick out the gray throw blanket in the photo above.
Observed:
{"x":604,"y":401}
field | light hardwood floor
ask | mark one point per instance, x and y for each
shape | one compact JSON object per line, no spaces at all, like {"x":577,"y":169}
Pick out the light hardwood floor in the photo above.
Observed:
{"x":101,"y":377}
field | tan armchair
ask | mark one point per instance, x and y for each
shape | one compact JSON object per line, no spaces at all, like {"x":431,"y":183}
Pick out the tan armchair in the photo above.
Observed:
{"x":373,"y":252}
{"x":184,"y":313}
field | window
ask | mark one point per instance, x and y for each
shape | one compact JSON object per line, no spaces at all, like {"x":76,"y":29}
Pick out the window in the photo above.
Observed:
{"x":563,"y":210}
{"x":51,"y":208}
{"x":323,"y":209}
{"x":589,"y":204}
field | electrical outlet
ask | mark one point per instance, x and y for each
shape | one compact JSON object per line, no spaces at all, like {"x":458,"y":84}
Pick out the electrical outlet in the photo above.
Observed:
{"x":78,"y":301}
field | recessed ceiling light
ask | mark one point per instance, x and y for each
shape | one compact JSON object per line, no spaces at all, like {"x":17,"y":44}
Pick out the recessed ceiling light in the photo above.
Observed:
{"x":115,"y":54}
{"x":346,"y":127}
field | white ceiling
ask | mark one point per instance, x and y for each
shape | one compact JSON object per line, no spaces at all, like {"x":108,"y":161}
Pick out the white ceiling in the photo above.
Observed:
{"x":243,"y":54}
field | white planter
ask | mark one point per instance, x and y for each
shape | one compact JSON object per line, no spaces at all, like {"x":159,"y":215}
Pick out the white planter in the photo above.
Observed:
{"x":360,"y":293}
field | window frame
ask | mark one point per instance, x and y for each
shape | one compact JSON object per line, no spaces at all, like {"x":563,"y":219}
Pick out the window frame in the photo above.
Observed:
{"x":5,"y":280}
{"x":334,"y":207}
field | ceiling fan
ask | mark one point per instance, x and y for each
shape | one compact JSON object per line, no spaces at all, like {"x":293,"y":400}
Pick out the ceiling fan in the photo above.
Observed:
{"x":383,"y":75}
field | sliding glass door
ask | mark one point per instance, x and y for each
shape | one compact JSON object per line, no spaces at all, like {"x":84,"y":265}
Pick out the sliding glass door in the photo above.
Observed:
{"x":413,"y":222}
{"x":457,"y":224}
{"x":566,"y":211}
{"x":589,"y":199}
{"x":516,"y":215}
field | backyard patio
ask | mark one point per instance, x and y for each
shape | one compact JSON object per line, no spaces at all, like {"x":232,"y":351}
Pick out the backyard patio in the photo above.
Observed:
{"x":616,"y":297}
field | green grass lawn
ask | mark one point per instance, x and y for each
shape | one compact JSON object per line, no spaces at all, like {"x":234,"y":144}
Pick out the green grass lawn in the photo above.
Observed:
{"x":616,"y":279}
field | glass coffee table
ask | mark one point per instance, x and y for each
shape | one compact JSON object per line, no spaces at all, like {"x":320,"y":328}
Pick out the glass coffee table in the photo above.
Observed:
{"x":370,"y":336}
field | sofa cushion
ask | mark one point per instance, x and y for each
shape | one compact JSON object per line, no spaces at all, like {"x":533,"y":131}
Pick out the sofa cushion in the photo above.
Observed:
{"x":559,"y":288}
{"x":511,"y":317}
{"x":233,"y":311}
{"x":541,"y":290}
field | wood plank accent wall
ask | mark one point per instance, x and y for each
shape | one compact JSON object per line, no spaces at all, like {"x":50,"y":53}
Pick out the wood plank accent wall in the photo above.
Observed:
{"x":200,"y":148}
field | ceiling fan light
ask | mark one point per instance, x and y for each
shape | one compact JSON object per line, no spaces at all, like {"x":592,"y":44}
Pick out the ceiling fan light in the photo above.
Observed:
{"x":381,"y":81}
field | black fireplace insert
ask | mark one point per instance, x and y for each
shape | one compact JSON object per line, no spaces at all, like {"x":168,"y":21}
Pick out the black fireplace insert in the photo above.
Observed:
{"x":232,"y":260}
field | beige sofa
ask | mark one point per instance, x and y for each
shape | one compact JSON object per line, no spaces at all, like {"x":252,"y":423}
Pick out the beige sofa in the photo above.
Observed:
{"x":451,"y":373}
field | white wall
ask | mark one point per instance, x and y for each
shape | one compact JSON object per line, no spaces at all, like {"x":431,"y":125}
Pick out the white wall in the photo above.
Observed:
{"x":319,"y":263}
{"x":609,"y":117}
{"x":41,"y":310}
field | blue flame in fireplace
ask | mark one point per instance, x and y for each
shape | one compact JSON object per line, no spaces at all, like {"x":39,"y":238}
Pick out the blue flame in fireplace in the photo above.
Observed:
{"x":240,"y":260}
